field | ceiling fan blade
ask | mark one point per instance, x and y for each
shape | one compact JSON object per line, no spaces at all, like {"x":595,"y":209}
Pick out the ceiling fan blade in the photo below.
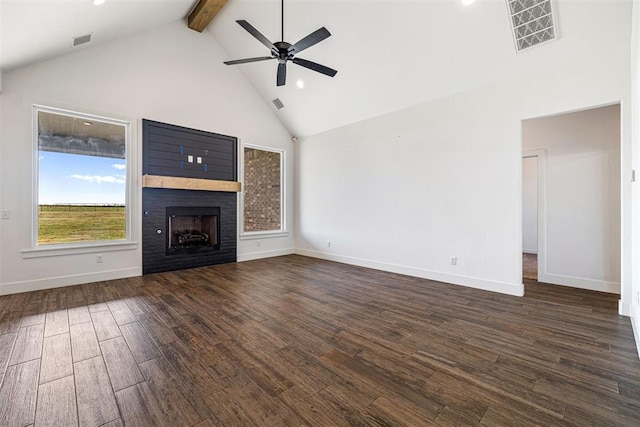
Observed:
{"x":316,"y":37}
{"x":244,"y":61}
{"x":282,"y":74}
{"x":315,"y":67}
{"x":257,"y":34}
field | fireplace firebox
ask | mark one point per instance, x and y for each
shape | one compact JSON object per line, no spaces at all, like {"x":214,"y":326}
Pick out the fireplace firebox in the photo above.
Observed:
{"x":192,"y":229}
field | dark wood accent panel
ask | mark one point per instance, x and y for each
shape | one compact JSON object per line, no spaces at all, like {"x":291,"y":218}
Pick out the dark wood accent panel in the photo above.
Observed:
{"x":166,"y":151}
{"x":300,"y":341}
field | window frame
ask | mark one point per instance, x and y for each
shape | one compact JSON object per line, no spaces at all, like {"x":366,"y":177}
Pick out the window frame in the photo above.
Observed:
{"x":248,"y":235}
{"x":36,"y":250}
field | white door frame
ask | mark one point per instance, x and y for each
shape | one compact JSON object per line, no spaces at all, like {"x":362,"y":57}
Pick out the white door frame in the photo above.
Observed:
{"x":541,"y":155}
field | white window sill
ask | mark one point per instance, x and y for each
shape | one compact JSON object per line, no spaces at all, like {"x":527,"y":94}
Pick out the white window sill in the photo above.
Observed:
{"x":263,"y":235}
{"x":77,"y":249}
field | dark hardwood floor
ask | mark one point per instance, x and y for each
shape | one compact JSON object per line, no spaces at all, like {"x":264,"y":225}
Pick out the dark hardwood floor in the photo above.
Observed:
{"x":299,"y":341}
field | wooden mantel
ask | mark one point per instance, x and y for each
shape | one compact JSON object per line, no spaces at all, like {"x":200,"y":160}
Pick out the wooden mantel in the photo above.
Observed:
{"x":177,"y":183}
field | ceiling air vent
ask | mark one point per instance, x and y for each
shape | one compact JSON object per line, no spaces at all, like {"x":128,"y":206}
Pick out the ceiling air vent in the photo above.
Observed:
{"x":278,"y":103}
{"x":533,"y":22}
{"x":77,"y":41}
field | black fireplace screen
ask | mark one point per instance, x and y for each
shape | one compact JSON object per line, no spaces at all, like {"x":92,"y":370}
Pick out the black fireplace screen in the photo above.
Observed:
{"x":192,"y":229}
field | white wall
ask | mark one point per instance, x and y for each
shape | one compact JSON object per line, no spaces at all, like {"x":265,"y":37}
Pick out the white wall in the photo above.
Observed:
{"x":634,"y":301}
{"x":170,"y":74}
{"x":405,"y":191}
{"x":530,"y":205}
{"x":582,"y":208}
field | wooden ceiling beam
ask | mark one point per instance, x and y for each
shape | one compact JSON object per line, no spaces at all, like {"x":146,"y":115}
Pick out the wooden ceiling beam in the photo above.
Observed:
{"x":203,"y":13}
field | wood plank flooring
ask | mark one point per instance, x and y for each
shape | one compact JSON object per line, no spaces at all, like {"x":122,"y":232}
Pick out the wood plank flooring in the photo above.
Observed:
{"x":294,"y":341}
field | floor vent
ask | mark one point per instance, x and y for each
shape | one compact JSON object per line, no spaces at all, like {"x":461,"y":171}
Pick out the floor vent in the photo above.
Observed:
{"x":278,"y":103}
{"x":533,"y":22}
{"x":77,"y":41}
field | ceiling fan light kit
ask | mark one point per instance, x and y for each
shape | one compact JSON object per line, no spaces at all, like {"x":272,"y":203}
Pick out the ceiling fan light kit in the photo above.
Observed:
{"x":283,"y":51}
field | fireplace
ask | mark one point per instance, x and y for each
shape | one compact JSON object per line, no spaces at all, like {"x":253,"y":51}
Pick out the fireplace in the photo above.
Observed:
{"x":192,"y":229}
{"x":189,"y":198}
{"x":193,"y":214}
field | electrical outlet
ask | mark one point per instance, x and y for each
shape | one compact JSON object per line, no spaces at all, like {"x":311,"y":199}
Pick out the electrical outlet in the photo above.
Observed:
{"x":4,"y":214}
{"x":258,"y":243}
{"x":453,"y":260}
{"x":328,"y":244}
{"x":99,"y":259}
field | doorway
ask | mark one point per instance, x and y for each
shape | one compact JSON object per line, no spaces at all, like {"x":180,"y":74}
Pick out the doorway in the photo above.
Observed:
{"x":571,"y":199}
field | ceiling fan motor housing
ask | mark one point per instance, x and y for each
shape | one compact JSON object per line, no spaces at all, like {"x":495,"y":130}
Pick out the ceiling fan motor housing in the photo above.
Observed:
{"x":282,"y":51}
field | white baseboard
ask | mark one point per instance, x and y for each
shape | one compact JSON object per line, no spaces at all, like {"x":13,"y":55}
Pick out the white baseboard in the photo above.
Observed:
{"x":530,"y":251}
{"x":265,"y":254}
{"x":58,"y":282}
{"x":635,"y":323}
{"x":472,"y":282}
{"x":580,"y":282}
{"x":623,"y":308}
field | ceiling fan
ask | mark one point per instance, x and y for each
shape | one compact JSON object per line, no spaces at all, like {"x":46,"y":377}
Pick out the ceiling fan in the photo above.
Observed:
{"x":283,"y":51}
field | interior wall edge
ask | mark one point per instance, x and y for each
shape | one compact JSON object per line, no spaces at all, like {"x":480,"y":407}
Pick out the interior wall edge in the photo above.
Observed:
{"x":453,"y":279}
{"x":71,"y":280}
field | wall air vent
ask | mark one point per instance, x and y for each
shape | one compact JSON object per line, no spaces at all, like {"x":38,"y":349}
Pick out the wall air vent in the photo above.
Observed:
{"x":278,"y":103}
{"x":77,"y":41}
{"x":533,"y":22}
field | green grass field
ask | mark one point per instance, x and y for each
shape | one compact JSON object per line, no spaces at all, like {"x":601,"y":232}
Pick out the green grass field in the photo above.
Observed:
{"x":77,"y":223}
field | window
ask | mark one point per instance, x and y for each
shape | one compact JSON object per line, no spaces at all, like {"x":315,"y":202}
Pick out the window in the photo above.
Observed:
{"x":263,"y":190}
{"x":81,"y":166}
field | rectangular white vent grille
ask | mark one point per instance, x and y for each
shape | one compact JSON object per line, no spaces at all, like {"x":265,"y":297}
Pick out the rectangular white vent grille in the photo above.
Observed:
{"x":278,"y":103}
{"x":77,"y":41}
{"x":533,"y":22}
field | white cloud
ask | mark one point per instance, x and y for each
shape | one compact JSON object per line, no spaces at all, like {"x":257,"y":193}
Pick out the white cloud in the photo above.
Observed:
{"x":100,"y":179}
{"x":119,"y":166}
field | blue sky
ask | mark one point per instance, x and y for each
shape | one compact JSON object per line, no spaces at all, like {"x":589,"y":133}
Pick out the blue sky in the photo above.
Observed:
{"x":73,"y":178}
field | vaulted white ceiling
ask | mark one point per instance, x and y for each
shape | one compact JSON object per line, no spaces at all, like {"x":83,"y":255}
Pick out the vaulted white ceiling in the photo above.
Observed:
{"x":35,"y":30}
{"x":389,"y":54}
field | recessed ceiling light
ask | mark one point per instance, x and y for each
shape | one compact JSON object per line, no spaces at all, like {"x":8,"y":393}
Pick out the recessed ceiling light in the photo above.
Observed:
{"x":87,"y":123}
{"x":300,"y":84}
{"x":98,"y":2}
{"x":468,"y":2}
